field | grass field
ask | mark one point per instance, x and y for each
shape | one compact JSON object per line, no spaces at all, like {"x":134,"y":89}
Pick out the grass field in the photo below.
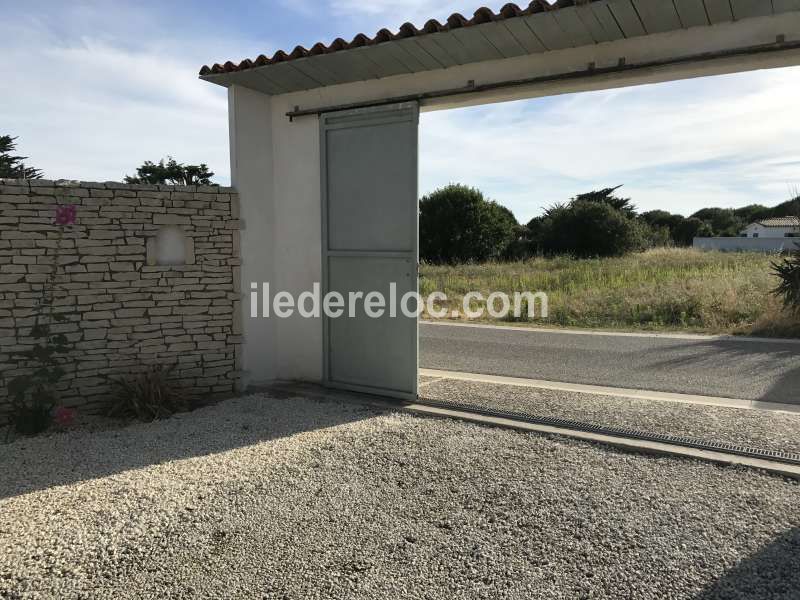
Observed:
{"x":665,"y":289}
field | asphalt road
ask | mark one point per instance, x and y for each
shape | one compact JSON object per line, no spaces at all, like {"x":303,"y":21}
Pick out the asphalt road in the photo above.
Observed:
{"x":730,"y":368}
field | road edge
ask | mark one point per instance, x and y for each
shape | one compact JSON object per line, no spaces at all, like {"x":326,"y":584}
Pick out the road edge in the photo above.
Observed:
{"x":699,"y":337}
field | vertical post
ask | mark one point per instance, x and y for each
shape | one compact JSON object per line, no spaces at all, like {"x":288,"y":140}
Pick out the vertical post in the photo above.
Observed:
{"x":251,"y":154}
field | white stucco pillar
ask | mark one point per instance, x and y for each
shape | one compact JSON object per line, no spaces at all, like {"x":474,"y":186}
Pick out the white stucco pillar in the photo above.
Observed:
{"x":275,"y":168}
{"x":250,"y":127}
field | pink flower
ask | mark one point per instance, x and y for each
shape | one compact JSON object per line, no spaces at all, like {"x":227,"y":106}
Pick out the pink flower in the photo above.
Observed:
{"x":65,"y":215}
{"x":64,"y":416}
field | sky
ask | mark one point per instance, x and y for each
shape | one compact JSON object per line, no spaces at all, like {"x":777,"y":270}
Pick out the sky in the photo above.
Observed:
{"x":94,"y":88}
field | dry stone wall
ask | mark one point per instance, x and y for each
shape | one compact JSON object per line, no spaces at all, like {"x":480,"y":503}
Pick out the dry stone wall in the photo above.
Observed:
{"x":123,"y":309}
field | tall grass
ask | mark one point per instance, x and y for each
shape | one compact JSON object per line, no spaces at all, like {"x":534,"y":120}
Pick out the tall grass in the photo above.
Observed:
{"x":671,"y":288}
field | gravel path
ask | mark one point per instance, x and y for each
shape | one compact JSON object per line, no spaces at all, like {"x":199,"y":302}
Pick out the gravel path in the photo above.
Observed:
{"x":761,"y":429}
{"x":266,"y":498}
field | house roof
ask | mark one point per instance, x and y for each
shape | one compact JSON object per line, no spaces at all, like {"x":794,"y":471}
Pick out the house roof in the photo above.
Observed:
{"x":539,"y":27}
{"x":407,"y":30}
{"x":780,"y":222}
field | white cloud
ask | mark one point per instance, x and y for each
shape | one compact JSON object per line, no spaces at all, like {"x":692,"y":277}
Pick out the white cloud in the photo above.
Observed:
{"x":680,"y":146}
{"x":95,"y":107}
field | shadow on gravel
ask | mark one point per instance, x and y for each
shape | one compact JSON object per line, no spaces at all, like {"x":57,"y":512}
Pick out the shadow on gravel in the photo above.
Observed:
{"x":754,"y":360}
{"x":769,"y":573}
{"x":39,"y":463}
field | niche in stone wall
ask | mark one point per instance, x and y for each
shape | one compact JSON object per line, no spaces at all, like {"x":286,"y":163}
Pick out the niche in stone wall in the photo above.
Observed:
{"x":170,"y":247}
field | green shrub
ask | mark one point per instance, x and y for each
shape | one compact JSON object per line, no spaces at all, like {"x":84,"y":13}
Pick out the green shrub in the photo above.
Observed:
{"x":660,"y":236}
{"x":606,"y":196}
{"x":457,"y":224}
{"x":661,"y":220}
{"x":147,"y":395}
{"x":685,"y":232}
{"x":788,"y":290}
{"x":34,"y":394}
{"x":585,"y":229}
{"x":722,"y":221}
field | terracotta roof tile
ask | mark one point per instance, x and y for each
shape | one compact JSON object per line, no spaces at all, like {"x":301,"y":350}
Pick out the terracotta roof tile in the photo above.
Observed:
{"x":780,"y":222}
{"x":454,"y":21}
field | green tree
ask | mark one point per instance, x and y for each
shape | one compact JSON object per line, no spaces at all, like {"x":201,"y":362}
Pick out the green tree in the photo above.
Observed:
{"x":723,"y":221}
{"x":520,"y":247}
{"x":660,"y":220}
{"x":530,"y":237}
{"x":11,"y":166}
{"x":790,"y":208}
{"x":458,"y":224}
{"x":170,"y":171}
{"x":586,"y":228}
{"x":751,"y":213}
{"x":606,"y":196}
{"x":691,"y":228}
{"x":659,"y":236}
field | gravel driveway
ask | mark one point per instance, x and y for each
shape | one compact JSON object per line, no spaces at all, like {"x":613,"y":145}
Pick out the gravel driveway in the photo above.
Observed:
{"x":767,"y":430}
{"x":292,"y":498}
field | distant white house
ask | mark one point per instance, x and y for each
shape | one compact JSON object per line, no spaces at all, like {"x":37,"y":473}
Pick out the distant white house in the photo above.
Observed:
{"x":779,"y":227}
{"x":780,"y":234}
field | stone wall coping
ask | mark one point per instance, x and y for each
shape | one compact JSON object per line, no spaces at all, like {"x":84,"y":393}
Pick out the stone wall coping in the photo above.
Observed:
{"x":114,"y":185}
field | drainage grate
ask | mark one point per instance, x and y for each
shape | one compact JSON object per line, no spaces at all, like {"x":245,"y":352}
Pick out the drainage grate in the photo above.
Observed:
{"x":782,"y":457}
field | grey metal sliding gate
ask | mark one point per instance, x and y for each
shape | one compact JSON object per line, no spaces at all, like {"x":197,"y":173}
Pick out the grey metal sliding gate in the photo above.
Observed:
{"x":370,"y":244}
